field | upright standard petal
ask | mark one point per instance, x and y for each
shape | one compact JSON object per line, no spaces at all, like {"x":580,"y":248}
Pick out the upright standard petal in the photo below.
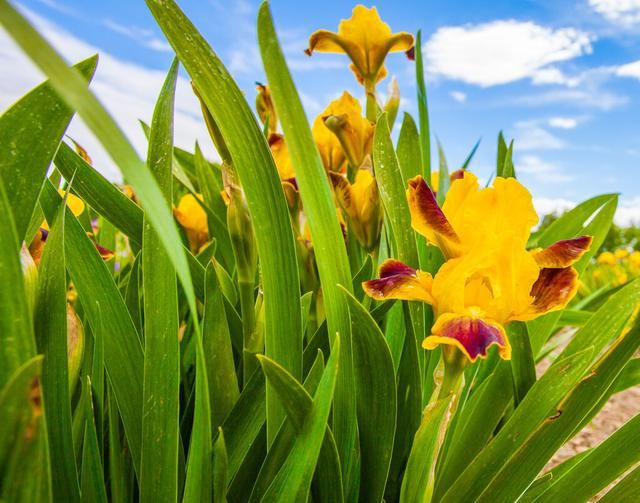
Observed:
{"x":366,"y":39}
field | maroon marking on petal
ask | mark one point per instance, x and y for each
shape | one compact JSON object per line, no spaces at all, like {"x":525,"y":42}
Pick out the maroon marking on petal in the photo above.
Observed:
{"x":293,"y":182}
{"x":274,"y":138}
{"x":308,"y":52}
{"x":474,"y":334}
{"x":393,"y":275}
{"x":395,"y":267}
{"x":430,"y":213}
{"x":105,"y":253}
{"x":458,"y":174}
{"x":563,"y":253}
{"x":44,"y":234}
{"x":553,"y":288}
{"x":411,"y":53}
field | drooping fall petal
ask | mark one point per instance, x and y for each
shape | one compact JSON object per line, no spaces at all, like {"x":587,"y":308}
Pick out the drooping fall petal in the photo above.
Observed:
{"x":552,"y":291}
{"x":399,"y":281}
{"x":472,"y":334}
{"x":563,"y":253}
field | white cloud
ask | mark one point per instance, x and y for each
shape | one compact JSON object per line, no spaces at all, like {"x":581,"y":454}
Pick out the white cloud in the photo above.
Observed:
{"x":592,"y":97}
{"x":622,"y":12}
{"x":458,"y":96}
{"x":530,"y":135}
{"x":60,"y":7}
{"x":553,"y":75}
{"x":629,"y":70}
{"x":127,"y":90}
{"x":540,"y":169}
{"x":501,"y":51}
{"x":142,"y":36}
{"x":563,"y":122}
{"x":628,"y":213}
{"x":546,"y":205}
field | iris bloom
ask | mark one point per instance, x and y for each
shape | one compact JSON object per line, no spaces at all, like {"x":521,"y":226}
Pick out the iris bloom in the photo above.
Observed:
{"x":361,"y":203}
{"x":489,"y":277}
{"x":265,"y":107}
{"x":281,"y":156}
{"x":343,"y":118}
{"x":366,"y":40}
{"x":193,"y":219}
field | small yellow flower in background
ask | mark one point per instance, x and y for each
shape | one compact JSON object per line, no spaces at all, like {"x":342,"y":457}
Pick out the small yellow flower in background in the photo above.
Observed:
{"x":621,"y":253}
{"x":361,"y":203}
{"x":343,"y":117}
{"x":74,"y":203}
{"x":606,"y":258}
{"x":634,"y":259}
{"x":265,"y":107}
{"x":366,"y":40}
{"x":489,"y":278}
{"x":193,"y":219}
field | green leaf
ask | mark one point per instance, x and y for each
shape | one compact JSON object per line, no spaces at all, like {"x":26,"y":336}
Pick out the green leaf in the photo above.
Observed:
{"x":17,"y":340}
{"x":562,"y":421}
{"x":375,"y":397}
{"x":51,"y":331}
{"x":523,"y":366}
{"x":220,"y":465}
{"x":223,"y":381}
{"x":625,"y":491}
{"x":30,"y":132}
{"x":331,"y":257}
{"x":260,"y":181}
{"x":443,"y":176}
{"x":466,"y":162}
{"x":508,"y":171}
{"x":423,"y":111}
{"x":112,"y":204}
{"x":161,"y":398}
{"x":104,"y":306}
{"x":408,"y":149}
{"x":419,"y":476}
{"x":502,"y":153}
{"x":597,"y":469}
{"x":71,"y":86}
{"x":93,"y":488}
{"x":629,"y":377}
{"x":533,"y":411}
{"x":294,"y":478}
{"x":475,"y":426}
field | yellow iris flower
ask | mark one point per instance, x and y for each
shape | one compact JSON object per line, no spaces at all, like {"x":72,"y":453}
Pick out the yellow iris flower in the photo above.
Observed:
{"x":193,"y":219}
{"x":366,"y":39}
{"x":74,"y":203}
{"x":354,"y":133}
{"x":361,"y":203}
{"x":489,"y":278}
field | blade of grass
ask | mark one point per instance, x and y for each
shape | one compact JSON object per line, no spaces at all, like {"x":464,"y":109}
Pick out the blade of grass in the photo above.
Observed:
{"x":51,"y":331}
{"x":30,"y":132}
{"x":423,"y":111}
{"x":161,"y":402}
{"x":261,"y":183}
{"x":332,"y":261}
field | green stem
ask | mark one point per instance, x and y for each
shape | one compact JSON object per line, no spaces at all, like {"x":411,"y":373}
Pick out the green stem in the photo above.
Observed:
{"x":247,"y":311}
{"x":372,"y":104}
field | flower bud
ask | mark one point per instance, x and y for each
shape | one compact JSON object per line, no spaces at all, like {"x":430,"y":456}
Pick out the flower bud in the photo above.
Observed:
{"x":241,"y":233}
{"x":30,"y":274}
{"x":75,"y":346}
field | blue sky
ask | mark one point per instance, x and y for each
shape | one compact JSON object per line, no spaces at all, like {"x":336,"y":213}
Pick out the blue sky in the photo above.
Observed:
{"x":562,"y":78}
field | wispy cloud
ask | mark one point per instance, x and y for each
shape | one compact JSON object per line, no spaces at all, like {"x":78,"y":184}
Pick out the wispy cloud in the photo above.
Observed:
{"x":458,"y":96}
{"x":501,"y":51}
{"x":625,"y":13}
{"x":128,"y":99}
{"x":541,"y":170}
{"x":142,"y":36}
{"x":530,"y":135}
{"x":563,"y":122}
{"x":60,"y":7}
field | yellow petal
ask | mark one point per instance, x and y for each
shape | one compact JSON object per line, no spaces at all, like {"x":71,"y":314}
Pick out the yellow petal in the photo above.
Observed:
{"x":193,"y":219}
{"x":399,"y":281}
{"x":266,"y":108}
{"x":365,"y":39}
{"x":281,"y":156}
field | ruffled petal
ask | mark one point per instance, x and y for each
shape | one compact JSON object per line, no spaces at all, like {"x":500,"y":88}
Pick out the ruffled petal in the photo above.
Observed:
{"x":563,"y":253}
{"x":399,"y":281}
{"x":472,"y":334}
{"x":429,"y":220}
